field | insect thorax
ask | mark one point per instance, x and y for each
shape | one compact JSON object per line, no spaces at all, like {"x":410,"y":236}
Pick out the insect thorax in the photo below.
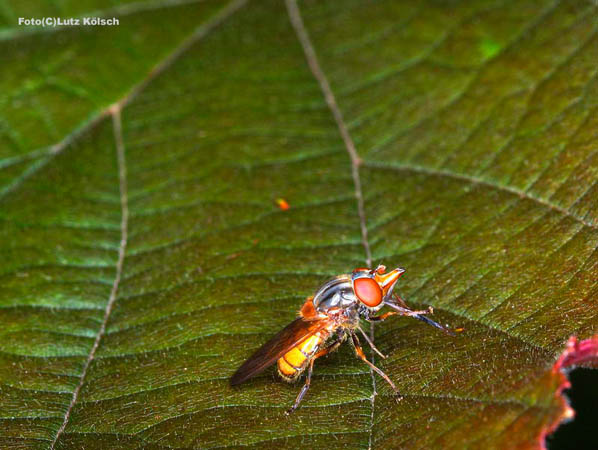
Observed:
{"x":335,"y":293}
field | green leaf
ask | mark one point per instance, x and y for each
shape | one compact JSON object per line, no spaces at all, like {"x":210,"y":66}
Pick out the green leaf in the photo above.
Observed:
{"x":145,"y":256}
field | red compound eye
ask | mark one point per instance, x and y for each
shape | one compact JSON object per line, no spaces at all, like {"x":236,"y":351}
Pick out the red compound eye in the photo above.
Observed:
{"x":368,"y":291}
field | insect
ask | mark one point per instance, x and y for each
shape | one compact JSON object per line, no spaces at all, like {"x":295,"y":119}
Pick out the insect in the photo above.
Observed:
{"x":326,"y":320}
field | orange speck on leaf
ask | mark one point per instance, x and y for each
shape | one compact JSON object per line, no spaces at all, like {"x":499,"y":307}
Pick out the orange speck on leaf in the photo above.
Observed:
{"x":282,"y":204}
{"x":459,"y":330}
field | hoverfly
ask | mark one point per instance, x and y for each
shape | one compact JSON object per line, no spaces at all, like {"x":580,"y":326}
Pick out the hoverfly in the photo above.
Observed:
{"x":326,"y":320}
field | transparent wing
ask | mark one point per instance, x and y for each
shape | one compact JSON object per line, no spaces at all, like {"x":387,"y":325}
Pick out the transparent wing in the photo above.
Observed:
{"x":290,"y":336}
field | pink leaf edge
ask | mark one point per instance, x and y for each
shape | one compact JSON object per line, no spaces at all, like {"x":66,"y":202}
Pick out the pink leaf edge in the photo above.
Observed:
{"x":577,"y":353}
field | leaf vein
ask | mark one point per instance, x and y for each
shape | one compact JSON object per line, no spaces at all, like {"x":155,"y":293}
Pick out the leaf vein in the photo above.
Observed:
{"x":122,"y":177}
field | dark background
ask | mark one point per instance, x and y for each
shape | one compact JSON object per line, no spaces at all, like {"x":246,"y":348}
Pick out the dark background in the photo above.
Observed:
{"x":580,"y":433}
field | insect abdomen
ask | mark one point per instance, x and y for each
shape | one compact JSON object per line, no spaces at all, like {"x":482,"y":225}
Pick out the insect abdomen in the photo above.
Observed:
{"x":293,"y":362}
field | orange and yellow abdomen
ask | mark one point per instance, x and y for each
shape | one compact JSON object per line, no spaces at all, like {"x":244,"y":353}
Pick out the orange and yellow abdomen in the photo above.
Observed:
{"x":293,"y":362}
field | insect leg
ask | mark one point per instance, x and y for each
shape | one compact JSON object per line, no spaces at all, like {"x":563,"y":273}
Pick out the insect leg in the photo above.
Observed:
{"x":303,"y":389}
{"x":409,"y":312}
{"x":399,"y":300}
{"x":381,"y":317}
{"x":419,"y":315}
{"x":318,"y":354}
{"x":361,"y":355}
{"x":369,"y":341}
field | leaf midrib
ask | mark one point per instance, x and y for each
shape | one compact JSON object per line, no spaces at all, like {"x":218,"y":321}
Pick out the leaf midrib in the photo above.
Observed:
{"x":329,"y":97}
{"x":356,"y":161}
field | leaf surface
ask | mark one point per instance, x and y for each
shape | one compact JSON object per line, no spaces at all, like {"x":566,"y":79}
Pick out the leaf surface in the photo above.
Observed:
{"x":146,"y":256}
